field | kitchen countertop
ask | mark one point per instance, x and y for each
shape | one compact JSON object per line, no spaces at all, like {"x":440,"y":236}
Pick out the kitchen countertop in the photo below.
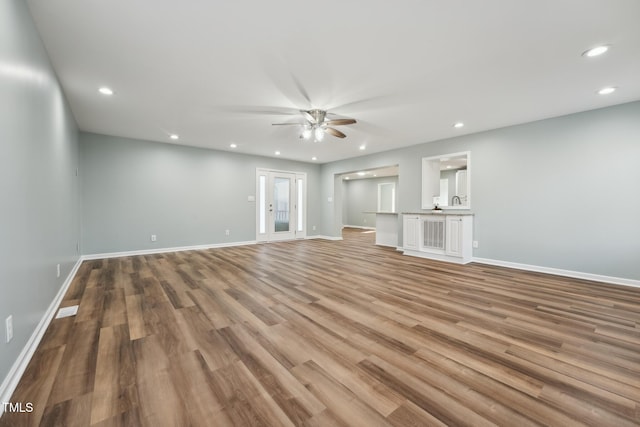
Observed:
{"x":381,"y":213}
{"x":440,"y":212}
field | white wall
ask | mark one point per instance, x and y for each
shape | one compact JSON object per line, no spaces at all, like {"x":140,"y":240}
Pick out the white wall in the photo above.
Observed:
{"x":541,"y":192}
{"x":39,"y":213}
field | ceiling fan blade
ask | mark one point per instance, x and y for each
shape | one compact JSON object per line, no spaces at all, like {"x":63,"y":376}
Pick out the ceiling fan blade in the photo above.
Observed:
{"x":340,"y":122}
{"x":334,"y":132}
{"x":300,"y":88}
{"x":308,"y":116}
{"x":378,"y":102}
{"x":259,"y":110}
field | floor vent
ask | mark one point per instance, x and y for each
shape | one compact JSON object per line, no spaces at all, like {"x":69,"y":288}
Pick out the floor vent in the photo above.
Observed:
{"x":67,"y":312}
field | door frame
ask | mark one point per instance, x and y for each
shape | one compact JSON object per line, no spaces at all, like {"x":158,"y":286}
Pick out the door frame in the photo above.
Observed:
{"x":297,"y":222}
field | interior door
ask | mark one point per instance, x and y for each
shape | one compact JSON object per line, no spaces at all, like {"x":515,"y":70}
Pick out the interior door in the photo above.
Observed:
{"x":281,"y":203}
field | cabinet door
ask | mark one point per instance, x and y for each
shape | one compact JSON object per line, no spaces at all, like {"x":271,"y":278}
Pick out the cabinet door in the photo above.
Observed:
{"x":454,"y":236}
{"x":411,"y":232}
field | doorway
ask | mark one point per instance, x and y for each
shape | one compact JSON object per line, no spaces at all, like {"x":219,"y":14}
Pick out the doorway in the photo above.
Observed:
{"x":360,"y":195}
{"x":280,"y":205}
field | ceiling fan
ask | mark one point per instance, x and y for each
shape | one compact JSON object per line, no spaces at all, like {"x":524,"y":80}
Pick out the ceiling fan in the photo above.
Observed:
{"x":316,"y":124}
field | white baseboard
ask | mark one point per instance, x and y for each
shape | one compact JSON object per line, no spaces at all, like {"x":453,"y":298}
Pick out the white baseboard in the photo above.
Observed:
{"x":20,"y":365}
{"x":165,"y":250}
{"x":319,"y":236}
{"x":560,"y":272}
{"x":106,"y":255}
{"x":437,"y":256}
{"x":358,"y":226}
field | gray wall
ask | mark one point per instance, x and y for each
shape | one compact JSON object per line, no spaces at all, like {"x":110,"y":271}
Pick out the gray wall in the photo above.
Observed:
{"x":541,"y":192}
{"x":359,"y":196}
{"x":39,"y":216}
{"x":186,"y":196}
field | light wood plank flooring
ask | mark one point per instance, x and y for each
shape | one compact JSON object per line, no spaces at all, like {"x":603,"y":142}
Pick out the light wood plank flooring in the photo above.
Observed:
{"x":321,"y":333}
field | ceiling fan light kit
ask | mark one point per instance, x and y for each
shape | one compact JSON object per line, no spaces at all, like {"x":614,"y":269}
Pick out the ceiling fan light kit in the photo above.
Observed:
{"x":306,"y":132}
{"x":316,"y":125}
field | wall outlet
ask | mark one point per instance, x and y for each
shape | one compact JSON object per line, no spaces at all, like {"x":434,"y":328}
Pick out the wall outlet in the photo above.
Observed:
{"x":364,"y":220}
{"x":8,"y":323}
{"x":154,"y":237}
{"x":227,"y":232}
{"x":475,"y":244}
{"x":313,"y":228}
{"x":58,"y":270}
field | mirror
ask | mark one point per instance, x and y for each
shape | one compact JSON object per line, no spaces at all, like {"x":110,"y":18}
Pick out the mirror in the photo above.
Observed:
{"x":446,"y":181}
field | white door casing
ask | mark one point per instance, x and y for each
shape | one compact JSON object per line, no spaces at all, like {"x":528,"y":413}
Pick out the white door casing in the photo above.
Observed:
{"x":280,"y":205}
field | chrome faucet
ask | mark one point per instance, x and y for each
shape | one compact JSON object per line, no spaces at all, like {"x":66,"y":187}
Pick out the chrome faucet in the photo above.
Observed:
{"x":453,"y":200}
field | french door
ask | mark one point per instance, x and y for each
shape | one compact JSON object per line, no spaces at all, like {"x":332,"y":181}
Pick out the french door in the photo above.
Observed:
{"x":280,"y":205}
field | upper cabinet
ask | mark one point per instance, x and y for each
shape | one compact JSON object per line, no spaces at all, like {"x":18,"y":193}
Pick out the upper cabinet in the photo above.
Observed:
{"x":446,"y":181}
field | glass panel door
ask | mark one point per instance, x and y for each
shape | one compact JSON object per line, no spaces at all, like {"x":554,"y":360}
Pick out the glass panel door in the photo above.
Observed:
{"x":281,"y":205}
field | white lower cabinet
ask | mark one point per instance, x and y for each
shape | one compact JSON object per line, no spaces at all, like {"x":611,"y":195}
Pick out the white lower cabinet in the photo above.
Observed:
{"x":454,"y":233}
{"x":441,"y":236}
{"x":411,"y":232}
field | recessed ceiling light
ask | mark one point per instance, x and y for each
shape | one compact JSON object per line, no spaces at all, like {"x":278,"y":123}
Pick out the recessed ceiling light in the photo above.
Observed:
{"x":595,"y":51}
{"x":362,"y":173}
{"x":314,"y":158}
{"x":362,"y":147}
{"x":458,"y":125}
{"x":346,"y":177}
{"x":232,"y":145}
{"x":174,"y":136}
{"x":607,"y":90}
{"x":277,"y":153}
{"x":105,"y":90}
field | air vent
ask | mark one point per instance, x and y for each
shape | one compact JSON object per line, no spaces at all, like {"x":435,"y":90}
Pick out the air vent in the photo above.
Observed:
{"x":67,"y":311}
{"x":433,"y":233}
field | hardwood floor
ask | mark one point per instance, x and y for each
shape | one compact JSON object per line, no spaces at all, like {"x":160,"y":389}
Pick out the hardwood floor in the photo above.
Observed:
{"x":324,"y":333}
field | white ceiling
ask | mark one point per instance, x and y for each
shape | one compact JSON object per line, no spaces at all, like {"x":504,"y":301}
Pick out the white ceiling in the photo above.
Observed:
{"x":406,"y":70}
